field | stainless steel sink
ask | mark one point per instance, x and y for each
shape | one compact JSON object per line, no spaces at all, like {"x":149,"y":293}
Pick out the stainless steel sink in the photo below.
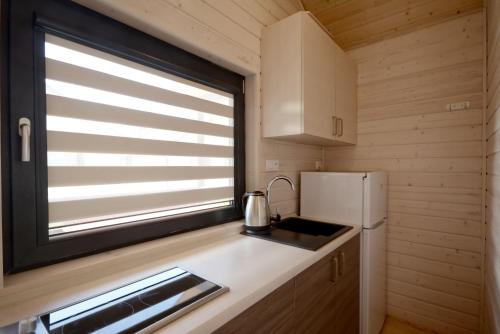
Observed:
{"x":302,"y":233}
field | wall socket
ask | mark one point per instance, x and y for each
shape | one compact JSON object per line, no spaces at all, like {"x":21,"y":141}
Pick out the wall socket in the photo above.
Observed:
{"x":458,"y":106}
{"x":272,"y":165}
{"x":318,"y":165}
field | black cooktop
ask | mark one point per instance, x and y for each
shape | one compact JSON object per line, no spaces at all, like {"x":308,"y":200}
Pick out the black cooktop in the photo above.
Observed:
{"x":142,"y":306}
{"x":302,"y":233}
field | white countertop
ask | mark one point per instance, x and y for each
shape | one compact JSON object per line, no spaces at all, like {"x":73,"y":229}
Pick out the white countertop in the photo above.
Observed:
{"x":249,"y":266}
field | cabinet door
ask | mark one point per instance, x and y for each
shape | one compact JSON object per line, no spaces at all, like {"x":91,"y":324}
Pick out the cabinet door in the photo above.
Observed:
{"x":345,"y":97}
{"x":315,"y":298}
{"x":318,"y":65}
{"x":347,"y":288}
{"x":273,"y":314}
{"x":282,"y":78}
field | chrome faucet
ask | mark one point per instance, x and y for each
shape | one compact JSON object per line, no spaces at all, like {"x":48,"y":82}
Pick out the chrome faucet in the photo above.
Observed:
{"x":276,"y":217}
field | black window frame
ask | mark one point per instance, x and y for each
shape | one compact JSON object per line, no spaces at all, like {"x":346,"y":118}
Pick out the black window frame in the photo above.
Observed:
{"x":24,"y":185}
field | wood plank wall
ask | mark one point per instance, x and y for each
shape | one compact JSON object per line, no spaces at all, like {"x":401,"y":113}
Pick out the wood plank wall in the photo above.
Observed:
{"x":228,"y":33}
{"x":434,"y":160}
{"x":492,"y":262}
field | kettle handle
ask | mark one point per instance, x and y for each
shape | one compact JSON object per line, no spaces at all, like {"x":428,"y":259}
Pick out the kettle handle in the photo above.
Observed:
{"x":243,"y":200}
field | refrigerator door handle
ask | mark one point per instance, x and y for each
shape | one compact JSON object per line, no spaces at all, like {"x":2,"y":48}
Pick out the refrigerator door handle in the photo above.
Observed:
{"x":377,"y":224}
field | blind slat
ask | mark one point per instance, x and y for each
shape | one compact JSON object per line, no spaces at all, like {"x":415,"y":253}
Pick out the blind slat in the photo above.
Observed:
{"x":76,"y":75}
{"x":104,"y":207}
{"x":76,"y":176}
{"x":60,"y":106}
{"x":135,"y":66}
{"x":76,"y":142}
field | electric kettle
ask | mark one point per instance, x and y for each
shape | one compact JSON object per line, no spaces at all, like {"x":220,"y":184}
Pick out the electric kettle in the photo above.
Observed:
{"x":257,"y":213}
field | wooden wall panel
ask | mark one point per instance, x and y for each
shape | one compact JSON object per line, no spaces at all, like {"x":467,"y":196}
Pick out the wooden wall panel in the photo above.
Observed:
{"x":434,"y":160}
{"x":357,"y":22}
{"x":492,"y":261}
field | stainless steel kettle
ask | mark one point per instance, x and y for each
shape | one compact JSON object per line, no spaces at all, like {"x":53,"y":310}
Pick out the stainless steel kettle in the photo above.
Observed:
{"x":257,"y":212}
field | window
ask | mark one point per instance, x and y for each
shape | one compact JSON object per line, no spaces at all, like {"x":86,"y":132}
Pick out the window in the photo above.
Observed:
{"x":130,"y":138}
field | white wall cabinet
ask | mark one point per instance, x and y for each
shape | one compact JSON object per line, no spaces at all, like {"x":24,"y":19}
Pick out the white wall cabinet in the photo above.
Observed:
{"x":308,"y":84}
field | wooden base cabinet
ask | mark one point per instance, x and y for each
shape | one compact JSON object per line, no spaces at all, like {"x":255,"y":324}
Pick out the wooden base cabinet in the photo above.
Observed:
{"x":324,"y":298}
{"x":273,"y":314}
{"x":315,"y":297}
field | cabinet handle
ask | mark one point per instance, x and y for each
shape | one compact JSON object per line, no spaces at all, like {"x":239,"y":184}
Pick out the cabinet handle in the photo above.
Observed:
{"x":334,"y":125}
{"x":341,"y":126}
{"x":24,"y":133}
{"x":334,"y":273}
{"x":342,"y":264}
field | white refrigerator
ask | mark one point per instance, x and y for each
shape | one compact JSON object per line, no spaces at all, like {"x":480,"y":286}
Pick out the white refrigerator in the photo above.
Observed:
{"x":355,"y":198}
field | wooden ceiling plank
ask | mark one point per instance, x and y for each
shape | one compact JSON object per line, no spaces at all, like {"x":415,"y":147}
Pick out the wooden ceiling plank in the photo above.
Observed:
{"x":358,"y":22}
{"x":345,"y":9}
{"x":374,"y":14}
{"x":396,"y":25}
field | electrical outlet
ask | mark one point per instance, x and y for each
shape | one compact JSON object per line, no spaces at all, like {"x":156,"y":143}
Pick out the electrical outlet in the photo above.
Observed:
{"x":318,"y":165}
{"x":458,"y":106}
{"x":272,"y":165}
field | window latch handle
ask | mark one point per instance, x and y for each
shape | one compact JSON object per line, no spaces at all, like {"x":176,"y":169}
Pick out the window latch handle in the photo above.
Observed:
{"x":25,"y":133}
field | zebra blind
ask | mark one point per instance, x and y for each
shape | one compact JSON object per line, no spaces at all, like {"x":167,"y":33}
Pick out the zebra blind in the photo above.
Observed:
{"x":128,"y":143}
